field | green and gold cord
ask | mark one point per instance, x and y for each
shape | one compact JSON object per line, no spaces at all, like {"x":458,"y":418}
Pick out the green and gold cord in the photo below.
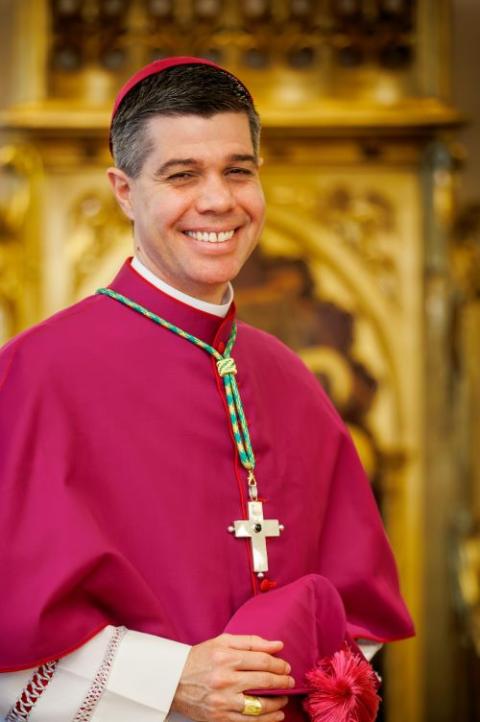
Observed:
{"x":226,"y":370}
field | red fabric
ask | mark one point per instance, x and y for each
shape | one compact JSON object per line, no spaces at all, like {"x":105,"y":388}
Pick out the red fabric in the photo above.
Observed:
{"x":343,"y":688}
{"x":158,"y":66}
{"x":119,"y":479}
{"x":307,"y":615}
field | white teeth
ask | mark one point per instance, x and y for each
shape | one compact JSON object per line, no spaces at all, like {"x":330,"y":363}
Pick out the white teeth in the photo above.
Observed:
{"x":210,"y":237}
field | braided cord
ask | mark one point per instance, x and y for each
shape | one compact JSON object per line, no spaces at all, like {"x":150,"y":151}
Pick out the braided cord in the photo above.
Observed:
{"x":226,"y":369}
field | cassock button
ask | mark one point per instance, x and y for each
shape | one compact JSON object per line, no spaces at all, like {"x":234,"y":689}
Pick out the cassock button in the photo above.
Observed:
{"x":221,"y":347}
{"x":267,"y":584}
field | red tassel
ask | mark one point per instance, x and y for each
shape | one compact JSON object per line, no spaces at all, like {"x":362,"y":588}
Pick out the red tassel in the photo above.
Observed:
{"x":343,"y":689}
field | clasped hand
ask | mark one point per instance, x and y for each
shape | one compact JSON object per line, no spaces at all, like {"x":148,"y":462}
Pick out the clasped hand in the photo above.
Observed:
{"x":218,"y":671}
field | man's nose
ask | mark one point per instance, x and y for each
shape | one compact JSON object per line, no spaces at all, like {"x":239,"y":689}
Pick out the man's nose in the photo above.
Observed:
{"x":215,"y":195}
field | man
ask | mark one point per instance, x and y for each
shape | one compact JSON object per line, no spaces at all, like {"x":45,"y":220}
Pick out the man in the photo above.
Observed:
{"x":161,"y":470}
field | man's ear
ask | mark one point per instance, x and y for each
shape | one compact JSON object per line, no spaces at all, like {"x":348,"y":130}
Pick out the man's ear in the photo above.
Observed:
{"x":122,"y":188}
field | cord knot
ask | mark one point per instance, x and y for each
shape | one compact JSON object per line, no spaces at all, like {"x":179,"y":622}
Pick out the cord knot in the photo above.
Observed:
{"x":226,"y":366}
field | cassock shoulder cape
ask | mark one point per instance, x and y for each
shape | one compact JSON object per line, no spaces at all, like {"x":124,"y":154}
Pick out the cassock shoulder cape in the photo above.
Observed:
{"x":119,"y":478}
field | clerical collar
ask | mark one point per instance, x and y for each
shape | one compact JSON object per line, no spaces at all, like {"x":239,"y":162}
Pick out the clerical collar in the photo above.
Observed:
{"x":216,"y":309}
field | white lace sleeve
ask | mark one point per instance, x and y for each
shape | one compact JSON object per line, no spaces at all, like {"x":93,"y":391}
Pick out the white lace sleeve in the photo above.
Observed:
{"x":118,"y":675}
{"x":31,"y":692}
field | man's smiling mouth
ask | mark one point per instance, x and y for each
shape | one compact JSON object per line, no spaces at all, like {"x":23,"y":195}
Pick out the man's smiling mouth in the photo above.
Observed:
{"x":210,"y":236}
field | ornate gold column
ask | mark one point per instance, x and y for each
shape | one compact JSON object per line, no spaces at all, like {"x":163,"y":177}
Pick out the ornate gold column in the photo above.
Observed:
{"x":465,"y":345}
{"x":21,"y":174}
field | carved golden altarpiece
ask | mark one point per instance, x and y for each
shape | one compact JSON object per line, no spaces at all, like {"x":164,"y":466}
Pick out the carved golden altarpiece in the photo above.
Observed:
{"x":352,"y":270}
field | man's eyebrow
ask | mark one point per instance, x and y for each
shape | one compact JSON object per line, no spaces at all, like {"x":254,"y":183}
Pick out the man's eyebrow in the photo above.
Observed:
{"x":243,"y":158}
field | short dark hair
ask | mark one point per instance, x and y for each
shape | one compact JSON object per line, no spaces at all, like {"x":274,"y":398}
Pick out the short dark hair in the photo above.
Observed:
{"x":182,"y":90}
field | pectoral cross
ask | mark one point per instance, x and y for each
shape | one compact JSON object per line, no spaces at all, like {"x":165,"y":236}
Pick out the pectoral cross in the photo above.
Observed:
{"x":257,"y":529}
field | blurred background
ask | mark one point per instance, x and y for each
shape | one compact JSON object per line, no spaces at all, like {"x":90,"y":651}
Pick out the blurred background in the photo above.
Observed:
{"x":369,"y":266}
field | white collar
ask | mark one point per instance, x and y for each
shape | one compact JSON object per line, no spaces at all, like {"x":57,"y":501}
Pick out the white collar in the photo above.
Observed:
{"x":217,"y":309}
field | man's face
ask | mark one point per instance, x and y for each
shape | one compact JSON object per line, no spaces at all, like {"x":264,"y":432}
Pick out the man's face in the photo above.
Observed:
{"x":197,"y":205}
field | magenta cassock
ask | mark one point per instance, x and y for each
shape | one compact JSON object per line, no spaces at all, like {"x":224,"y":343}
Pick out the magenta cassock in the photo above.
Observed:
{"x":119,"y":479}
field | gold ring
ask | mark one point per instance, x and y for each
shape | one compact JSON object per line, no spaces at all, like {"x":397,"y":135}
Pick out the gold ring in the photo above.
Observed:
{"x":252,"y":706}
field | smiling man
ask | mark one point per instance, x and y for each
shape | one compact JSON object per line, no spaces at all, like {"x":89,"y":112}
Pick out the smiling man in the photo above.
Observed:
{"x":189,"y":528}
{"x":197,"y":205}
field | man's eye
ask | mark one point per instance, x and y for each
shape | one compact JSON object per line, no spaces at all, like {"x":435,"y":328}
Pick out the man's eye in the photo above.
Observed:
{"x":240,"y":171}
{"x":183,"y":175}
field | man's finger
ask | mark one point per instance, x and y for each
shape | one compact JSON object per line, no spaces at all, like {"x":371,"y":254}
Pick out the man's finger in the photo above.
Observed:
{"x":269,"y":704}
{"x":270,"y":717}
{"x":262,"y":680}
{"x":252,"y":642}
{"x":262,"y":662}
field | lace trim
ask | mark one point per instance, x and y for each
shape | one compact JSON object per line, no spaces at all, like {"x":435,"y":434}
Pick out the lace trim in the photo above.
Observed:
{"x":100,"y":681}
{"x":20,"y":712}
